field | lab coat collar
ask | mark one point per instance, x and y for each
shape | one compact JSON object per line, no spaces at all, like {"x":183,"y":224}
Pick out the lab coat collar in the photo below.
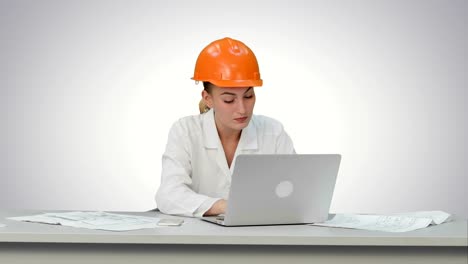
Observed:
{"x":248,"y":138}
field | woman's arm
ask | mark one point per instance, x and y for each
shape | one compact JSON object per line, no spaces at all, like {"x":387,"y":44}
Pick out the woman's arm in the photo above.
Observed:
{"x":284,"y":144}
{"x":175,"y":195}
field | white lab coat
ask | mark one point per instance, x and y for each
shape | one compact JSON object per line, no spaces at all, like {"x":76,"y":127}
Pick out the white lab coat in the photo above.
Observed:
{"x":195,"y":173}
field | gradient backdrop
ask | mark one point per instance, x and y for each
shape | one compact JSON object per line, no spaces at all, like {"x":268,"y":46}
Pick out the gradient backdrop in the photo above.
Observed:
{"x":89,"y":90}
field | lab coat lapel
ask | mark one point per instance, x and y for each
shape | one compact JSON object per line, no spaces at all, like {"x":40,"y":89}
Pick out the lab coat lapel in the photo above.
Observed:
{"x":248,"y":140}
{"x":247,"y":143}
{"x":210,"y":134}
{"x":213,"y":143}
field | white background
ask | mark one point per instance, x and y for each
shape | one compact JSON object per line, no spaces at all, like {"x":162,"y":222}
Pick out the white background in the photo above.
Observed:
{"x":89,"y":90}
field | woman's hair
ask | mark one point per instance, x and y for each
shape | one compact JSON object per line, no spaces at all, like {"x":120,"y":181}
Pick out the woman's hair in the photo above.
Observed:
{"x":202,"y":106}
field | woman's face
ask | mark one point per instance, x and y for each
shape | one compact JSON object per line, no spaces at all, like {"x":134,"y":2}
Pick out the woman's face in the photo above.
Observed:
{"x":233,"y":106}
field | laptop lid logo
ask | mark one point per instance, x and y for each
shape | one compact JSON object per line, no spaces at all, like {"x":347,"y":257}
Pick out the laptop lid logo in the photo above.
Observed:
{"x":284,"y":189}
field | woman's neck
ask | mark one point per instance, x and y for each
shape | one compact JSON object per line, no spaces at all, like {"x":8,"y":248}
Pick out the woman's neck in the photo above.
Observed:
{"x":228,"y":135}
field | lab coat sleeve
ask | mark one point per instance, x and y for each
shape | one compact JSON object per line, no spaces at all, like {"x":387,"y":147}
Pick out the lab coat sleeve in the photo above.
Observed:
{"x":174,"y":195}
{"x":205,"y":207}
{"x":284,"y":144}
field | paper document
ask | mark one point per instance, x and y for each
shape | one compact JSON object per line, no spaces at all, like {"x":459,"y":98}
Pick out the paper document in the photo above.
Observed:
{"x":402,"y":222}
{"x":438,"y":217}
{"x":93,"y":220}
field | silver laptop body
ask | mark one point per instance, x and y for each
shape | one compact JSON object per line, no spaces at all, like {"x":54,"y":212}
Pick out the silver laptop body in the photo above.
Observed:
{"x":272,"y":189}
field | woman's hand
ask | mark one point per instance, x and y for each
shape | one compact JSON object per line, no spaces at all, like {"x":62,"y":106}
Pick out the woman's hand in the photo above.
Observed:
{"x":219,"y":207}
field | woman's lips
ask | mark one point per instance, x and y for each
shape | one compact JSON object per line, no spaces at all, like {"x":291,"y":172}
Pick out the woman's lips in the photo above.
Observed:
{"x":241,"y":119}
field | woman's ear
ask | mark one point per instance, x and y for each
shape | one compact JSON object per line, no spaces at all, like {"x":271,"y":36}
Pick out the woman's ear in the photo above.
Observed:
{"x":207,"y":98}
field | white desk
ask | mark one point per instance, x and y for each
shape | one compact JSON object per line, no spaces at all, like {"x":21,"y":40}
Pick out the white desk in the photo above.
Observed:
{"x":197,"y":241}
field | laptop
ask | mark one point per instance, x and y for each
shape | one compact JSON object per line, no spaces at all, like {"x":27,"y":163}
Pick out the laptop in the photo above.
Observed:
{"x":275,"y":189}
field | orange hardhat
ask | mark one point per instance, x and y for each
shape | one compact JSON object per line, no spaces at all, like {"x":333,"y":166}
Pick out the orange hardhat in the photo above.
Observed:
{"x":227,"y":63}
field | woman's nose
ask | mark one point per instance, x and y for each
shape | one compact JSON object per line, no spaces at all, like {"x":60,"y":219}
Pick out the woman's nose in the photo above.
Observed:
{"x":241,"y":107}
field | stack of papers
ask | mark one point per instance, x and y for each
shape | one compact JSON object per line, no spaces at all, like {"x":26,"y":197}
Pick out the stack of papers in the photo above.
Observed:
{"x":93,"y":220}
{"x":388,"y":223}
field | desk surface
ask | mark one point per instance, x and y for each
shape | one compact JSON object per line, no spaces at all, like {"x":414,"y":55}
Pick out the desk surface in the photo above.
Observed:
{"x":196,"y":231}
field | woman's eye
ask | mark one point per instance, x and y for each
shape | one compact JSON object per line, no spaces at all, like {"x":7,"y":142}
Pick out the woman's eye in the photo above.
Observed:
{"x":248,"y":97}
{"x":229,"y":102}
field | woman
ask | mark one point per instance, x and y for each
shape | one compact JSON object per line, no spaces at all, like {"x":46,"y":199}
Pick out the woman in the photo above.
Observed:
{"x":201,"y":150}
